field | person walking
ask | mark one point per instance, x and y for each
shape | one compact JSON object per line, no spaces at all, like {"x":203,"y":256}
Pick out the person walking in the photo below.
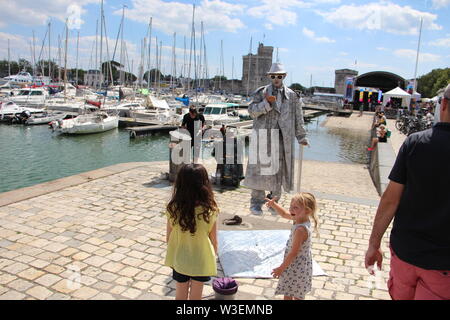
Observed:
{"x":195,"y":124}
{"x":418,"y":201}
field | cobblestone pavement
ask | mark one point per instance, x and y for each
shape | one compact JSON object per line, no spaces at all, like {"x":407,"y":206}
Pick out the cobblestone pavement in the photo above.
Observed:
{"x":104,"y":239}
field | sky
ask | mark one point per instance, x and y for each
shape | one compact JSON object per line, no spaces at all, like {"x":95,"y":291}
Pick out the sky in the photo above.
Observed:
{"x":312,"y":38}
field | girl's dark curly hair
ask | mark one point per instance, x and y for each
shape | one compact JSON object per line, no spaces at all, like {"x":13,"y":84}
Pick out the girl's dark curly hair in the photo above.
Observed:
{"x":192,"y":189}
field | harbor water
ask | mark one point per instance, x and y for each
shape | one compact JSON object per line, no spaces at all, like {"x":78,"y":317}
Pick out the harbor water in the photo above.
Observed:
{"x":32,"y":155}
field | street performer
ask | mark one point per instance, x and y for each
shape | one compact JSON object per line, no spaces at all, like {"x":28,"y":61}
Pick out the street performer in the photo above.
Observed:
{"x":277,"y":108}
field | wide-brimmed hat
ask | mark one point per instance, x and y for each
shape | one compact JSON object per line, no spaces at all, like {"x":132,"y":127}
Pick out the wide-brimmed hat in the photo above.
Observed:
{"x":277,"y":68}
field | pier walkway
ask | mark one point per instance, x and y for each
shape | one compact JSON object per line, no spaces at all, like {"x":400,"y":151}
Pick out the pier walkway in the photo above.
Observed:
{"x":101,"y":235}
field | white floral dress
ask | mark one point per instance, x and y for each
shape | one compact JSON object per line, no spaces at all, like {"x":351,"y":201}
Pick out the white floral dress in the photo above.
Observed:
{"x":296,"y":280}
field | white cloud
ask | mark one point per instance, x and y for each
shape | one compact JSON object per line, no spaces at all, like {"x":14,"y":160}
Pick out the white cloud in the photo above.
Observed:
{"x":175,"y":16}
{"x":31,"y":13}
{"x":382,"y":49}
{"x":312,"y":35}
{"x":437,"y":4}
{"x":278,"y":12}
{"x":385,"y":16}
{"x":443,"y":42}
{"x":412,"y":54}
{"x":342,"y":53}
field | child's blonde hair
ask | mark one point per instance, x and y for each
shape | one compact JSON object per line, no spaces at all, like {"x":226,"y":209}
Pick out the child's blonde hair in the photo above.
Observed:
{"x":308,"y":201}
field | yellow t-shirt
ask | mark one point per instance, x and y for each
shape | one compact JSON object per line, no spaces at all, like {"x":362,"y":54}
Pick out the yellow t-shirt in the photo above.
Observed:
{"x":192,"y":254}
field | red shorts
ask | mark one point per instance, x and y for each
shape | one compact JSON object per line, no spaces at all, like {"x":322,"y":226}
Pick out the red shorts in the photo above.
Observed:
{"x":408,"y":282}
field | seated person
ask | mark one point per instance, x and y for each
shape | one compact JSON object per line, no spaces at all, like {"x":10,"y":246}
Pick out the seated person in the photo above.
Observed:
{"x":381,"y":137}
{"x":380,"y":120}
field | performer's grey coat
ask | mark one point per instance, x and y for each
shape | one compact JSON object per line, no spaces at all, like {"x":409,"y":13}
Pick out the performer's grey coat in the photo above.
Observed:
{"x":285,"y":114}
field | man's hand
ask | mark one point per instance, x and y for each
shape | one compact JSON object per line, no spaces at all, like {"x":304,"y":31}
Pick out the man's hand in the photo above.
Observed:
{"x":271,"y":99}
{"x":373,"y":255}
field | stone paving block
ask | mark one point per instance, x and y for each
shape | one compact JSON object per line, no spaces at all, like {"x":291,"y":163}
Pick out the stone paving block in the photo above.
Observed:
{"x":80,"y":256}
{"x":65,"y":286}
{"x":12,"y":295}
{"x":69,"y":252}
{"x":85,"y":293}
{"x":20,"y":285}
{"x":118,"y":289}
{"x":39,"y":292}
{"x":103,"y":296}
{"x":129,"y":271}
{"x":31,"y":274}
{"x":53,"y":268}
{"x":131,"y":293}
{"x":15,"y":267}
{"x":48,"y":280}
{"x":96,"y":261}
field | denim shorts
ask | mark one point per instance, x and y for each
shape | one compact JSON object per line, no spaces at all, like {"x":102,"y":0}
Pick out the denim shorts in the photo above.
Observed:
{"x":178,"y":277}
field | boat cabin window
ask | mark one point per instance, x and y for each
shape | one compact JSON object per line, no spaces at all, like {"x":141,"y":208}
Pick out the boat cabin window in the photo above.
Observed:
{"x":214,"y":110}
{"x":24,"y":93}
{"x":36,"y":93}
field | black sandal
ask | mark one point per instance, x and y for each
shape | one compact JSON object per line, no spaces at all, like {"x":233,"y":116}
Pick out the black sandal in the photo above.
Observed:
{"x":236,"y":220}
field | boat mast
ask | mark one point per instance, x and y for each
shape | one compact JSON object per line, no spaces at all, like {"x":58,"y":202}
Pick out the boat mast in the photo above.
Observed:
{"x":96,"y":53}
{"x":65,"y":61}
{"x":59,"y":58}
{"x":34,"y":55}
{"x":232,"y":75}
{"x":76,"y":66}
{"x":160,"y":64}
{"x":192,"y":45}
{"x":417,"y":57}
{"x":149,"y":79}
{"x":49,"y":51}
{"x":249,"y":65}
{"x":221,"y":65}
{"x":9,"y":61}
{"x":174,"y":66}
{"x":101,"y":44}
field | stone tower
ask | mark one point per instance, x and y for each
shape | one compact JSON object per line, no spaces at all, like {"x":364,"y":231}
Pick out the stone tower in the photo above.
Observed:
{"x":340,"y":77}
{"x":259,"y":65}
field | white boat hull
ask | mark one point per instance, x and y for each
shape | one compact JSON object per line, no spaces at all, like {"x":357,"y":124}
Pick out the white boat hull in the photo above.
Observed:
{"x":72,"y":126}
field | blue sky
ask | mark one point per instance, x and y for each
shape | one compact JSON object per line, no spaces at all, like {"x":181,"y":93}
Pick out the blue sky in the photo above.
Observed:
{"x":314,"y":37}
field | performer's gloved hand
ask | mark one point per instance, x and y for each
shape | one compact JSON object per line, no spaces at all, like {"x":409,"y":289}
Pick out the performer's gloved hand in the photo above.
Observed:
{"x":304,"y":142}
{"x":271,"y":99}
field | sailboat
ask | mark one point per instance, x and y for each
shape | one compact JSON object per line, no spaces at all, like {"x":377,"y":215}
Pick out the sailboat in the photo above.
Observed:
{"x":86,"y":123}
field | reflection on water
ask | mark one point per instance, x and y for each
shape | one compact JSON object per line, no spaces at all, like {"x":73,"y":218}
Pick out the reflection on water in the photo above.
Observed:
{"x":31,"y":155}
{"x":335,"y":144}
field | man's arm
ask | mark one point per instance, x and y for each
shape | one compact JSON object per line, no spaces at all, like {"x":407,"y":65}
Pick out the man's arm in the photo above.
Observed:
{"x":300,"y":132}
{"x":259,"y":105}
{"x":386,"y":211}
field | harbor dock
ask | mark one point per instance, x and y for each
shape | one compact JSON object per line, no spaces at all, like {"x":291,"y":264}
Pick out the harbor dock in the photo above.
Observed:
{"x":108,"y":227}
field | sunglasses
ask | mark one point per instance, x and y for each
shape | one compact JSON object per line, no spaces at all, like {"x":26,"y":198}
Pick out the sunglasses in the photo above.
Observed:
{"x":279,"y":77}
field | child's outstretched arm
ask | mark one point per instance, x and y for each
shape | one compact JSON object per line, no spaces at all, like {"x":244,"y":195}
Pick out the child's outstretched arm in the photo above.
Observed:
{"x":300,"y":236}
{"x":271,"y":203}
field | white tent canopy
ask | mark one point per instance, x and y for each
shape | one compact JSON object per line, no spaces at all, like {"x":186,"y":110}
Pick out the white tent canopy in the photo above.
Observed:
{"x":398,"y":93}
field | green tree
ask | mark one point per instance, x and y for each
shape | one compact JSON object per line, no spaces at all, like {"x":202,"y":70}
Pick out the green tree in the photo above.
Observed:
{"x":154,"y":74}
{"x":429,"y":84}
{"x":4,"y":70}
{"x":297,"y":87}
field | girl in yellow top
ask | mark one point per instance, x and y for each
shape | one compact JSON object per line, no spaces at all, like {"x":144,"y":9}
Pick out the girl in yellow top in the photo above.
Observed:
{"x":192,"y":232}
